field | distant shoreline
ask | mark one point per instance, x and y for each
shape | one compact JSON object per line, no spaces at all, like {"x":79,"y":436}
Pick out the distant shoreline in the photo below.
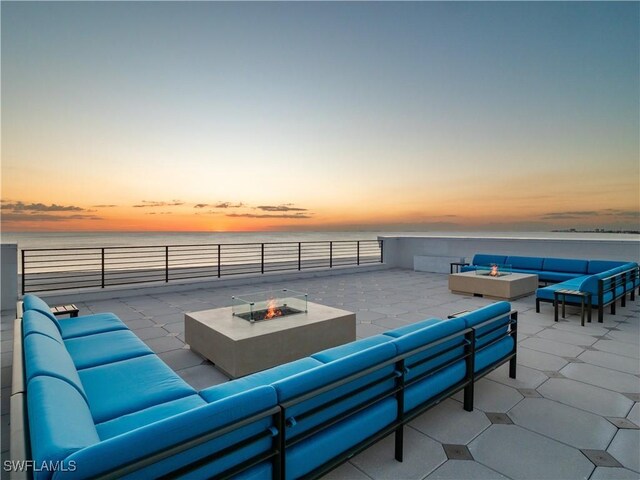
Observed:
{"x":598,"y":230}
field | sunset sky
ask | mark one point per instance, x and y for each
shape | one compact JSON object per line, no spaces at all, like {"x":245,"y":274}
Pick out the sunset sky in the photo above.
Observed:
{"x":320,"y":116}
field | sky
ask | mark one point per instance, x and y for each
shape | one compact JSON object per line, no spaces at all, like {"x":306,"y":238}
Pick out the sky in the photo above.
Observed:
{"x":320,"y":116}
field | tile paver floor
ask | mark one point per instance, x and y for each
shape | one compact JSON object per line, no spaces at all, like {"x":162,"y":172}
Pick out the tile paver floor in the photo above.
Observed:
{"x":573,"y":407}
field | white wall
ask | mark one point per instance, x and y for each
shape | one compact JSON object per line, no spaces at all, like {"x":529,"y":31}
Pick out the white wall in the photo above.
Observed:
{"x":399,"y":251}
{"x":9,"y":276}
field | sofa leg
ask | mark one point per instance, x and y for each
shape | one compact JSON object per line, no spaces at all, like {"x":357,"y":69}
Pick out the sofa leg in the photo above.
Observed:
{"x":623,"y":302}
{"x":632,"y":297}
{"x":600,"y":314}
{"x":537,"y":305}
{"x":512,"y":368}
{"x":399,"y":443}
{"x":468,"y":397}
{"x":613,"y":307}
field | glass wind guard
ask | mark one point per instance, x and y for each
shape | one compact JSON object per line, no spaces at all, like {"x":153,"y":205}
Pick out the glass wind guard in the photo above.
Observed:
{"x":269,"y":304}
{"x":494,"y":270}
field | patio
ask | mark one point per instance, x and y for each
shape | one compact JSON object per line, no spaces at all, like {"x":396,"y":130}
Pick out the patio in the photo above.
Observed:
{"x":573,"y":411}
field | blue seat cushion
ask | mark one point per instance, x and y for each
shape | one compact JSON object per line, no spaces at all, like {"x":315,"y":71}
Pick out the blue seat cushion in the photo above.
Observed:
{"x":527,"y":263}
{"x":305,"y":415}
{"x":60,"y":422}
{"x":491,"y":354}
{"x":123,"y":449}
{"x":33,"y":321}
{"x":93,"y":350}
{"x":265,"y":377}
{"x":468,"y":268}
{"x":341,"y":351}
{"x":485,"y":259}
{"x":131,"y":421}
{"x":45,"y":356}
{"x":310,"y":454}
{"x":90,"y":324}
{"x":422,"y":362}
{"x":567,"y":265}
{"x":412,"y":327}
{"x":558,"y":276}
{"x":599,"y":266}
{"x":31,"y":302}
{"x":118,"y":388}
{"x":499,"y":311}
{"x":424,"y":390}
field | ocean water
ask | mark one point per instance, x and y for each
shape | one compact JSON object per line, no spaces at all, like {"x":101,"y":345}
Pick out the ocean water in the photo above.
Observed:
{"x":28,"y":240}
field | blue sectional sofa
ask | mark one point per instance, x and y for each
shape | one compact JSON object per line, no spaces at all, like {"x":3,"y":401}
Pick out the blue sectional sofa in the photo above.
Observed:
{"x":602,"y":287}
{"x":606,"y":280}
{"x":100,"y":404}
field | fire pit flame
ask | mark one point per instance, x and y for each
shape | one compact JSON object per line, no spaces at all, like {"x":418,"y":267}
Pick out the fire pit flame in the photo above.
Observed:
{"x":272,"y":310}
{"x":494,"y":271}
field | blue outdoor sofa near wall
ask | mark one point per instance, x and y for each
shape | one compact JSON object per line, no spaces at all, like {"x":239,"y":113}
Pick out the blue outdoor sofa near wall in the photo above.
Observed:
{"x":606,"y":280}
{"x":98,"y":403}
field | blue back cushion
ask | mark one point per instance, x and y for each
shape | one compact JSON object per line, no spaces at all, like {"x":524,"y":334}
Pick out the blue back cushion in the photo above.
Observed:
{"x":265,"y":377}
{"x":590,"y":284}
{"x":178,"y":429}
{"x":568,"y":265}
{"x":60,"y":422}
{"x":527,"y":263}
{"x":599,"y":266}
{"x":45,"y":356}
{"x":428,"y":335}
{"x":31,"y":302}
{"x":487,"y":259}
{"x":305,"y":382}
{"x":499,"y":311}
{"x":412,"y":327}
{"x":341,"y":351}
{"x":35,"y":322}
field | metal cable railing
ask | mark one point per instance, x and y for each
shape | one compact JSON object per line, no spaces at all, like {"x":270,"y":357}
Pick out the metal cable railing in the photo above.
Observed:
{"x":52,"y":269}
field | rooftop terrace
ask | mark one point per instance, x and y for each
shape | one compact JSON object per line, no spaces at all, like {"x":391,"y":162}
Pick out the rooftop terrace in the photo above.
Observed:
{"x":573,"y":411}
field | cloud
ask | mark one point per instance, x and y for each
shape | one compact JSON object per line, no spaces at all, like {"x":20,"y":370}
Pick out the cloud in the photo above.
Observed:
{"x":622,"y":213}
{"x":267,"y":215}
{"x":40,"y":207}
{"x":201,"y":205}
{"x":287,"y":207}
{"x":103,"y":206}
{"x":228,"y":205}
{"x":149,"y":203}
{"x":158,"y":213}
{"x":209,"y":212}
{"x":45,"y":217}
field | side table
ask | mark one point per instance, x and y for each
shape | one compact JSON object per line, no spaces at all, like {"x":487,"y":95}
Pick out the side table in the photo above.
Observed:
{"x":585,"y":301}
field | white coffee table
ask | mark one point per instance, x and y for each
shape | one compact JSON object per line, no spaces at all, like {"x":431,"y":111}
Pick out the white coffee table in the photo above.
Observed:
{"x":239,"y":347}
{"x":505,"y":287}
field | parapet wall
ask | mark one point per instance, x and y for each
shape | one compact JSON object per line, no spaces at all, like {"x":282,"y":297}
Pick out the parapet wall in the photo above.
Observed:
{"x":400,"y":251}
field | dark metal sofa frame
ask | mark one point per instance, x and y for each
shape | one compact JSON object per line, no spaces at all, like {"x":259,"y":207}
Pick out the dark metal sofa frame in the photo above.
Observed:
{"x":279,"y":443}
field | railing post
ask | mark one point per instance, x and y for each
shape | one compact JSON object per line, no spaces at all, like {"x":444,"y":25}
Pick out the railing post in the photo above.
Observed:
{"x":262,"y":258}
{"x":23,"y":273}
{"x":219,"y":261}
{"x":381,"y":251}
{"x":299,"y":255}
{"x":358,"y":254}
{"x":102,"y":263}
{"x":330,"y":254}
{"x":166,"y":264}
